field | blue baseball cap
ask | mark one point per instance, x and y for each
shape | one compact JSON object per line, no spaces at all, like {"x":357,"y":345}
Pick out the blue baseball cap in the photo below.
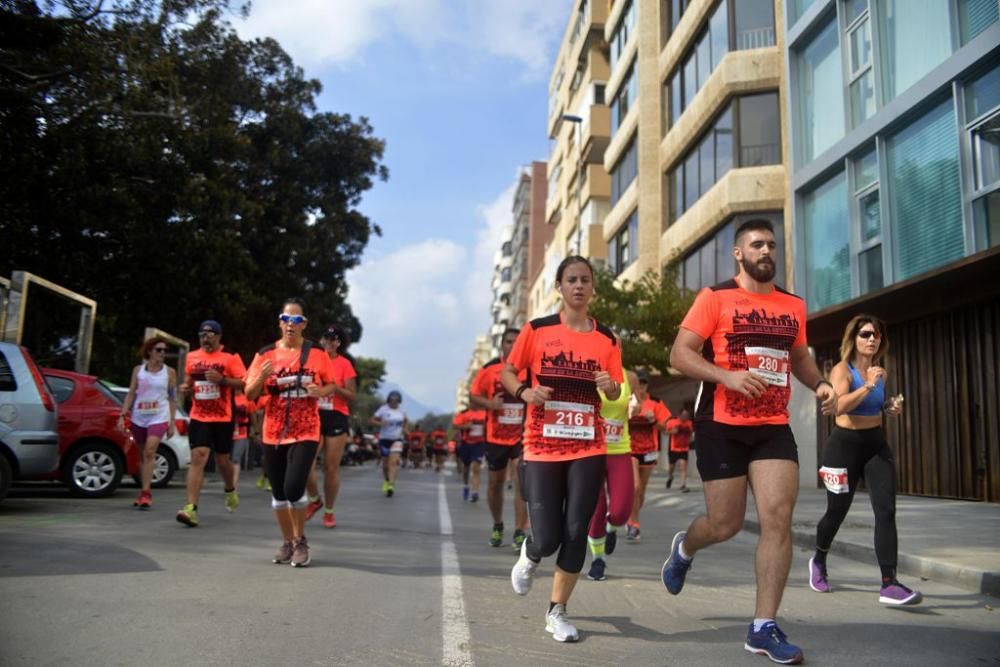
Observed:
{"x":210,"y":325}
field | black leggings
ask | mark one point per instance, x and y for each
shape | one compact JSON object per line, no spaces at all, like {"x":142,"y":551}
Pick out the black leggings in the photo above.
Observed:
{"x":561,"y":497}
{"x":288,"y":469}
{"x":863,"y":453}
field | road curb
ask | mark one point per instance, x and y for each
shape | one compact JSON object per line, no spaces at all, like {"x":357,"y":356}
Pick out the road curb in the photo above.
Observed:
{"x":972,"y":579}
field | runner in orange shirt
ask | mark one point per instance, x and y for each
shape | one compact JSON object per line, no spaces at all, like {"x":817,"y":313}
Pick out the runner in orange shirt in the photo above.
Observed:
{"x":416,"y":439}
{"x":244,"y":411}
{"x":744,"y":339}
{"x":211,"y":375}
{"x":571,"y":358}
{"x":680,"y":431}
{"x":504,"y":425}
{"x":471,"y":451}
{"x":295,"y":374}
{"x":334,"y":419}
{"x":439,"y":446}
{"x":646,"y":420}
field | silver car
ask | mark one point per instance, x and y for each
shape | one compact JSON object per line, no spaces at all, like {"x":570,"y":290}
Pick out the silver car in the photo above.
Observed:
{"x":29,"y":439}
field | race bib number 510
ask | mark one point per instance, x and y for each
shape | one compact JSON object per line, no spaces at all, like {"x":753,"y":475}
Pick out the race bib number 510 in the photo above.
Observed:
{"x":574,"y":421}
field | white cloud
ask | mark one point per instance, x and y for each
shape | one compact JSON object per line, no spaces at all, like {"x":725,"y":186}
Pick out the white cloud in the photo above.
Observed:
{"x":319,"y":33}
{"x":423,"y":305}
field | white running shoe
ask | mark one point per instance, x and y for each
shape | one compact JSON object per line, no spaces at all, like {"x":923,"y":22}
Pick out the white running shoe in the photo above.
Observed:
{"x":523,"y":571}
{"x":558,"y":624}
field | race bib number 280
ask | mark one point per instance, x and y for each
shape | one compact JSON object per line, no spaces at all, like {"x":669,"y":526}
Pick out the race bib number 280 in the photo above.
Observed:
{"x":769,"y":364}
{"x":574,"y":421}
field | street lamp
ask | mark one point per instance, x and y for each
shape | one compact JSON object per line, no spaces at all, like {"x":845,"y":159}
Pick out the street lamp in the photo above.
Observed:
{"x":578,"y":121}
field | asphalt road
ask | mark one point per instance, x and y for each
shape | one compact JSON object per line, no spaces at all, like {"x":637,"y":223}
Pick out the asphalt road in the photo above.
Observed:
{"x":95,"y":582}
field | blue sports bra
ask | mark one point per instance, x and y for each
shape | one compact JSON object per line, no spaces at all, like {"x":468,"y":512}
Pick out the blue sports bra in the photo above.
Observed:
{"x":872,"y":404}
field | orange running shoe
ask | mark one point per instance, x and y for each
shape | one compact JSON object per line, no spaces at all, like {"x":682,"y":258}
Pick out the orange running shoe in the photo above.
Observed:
{"x":329,"y":520}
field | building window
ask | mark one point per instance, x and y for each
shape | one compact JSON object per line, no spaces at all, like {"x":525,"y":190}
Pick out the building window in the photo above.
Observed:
{"x":982,"y":109}
{"x":796,"y":8}
{"x":554,"y":180}
{"x":712,"y":262}
{"x":621,"y":34}
{"x":861,"y":74}
{"x":753,"y":24}
{"x":925,"y":203}
{"x":623,"y":249}
{"x":623,"y":100}
{"x":670,"y":14}
{"x":757,"y":142}
{"x":974,"y":16}
{"x":624,"y":171}
{"x":868,"y":213}
{"x":914,"y":38}
{"x":827,"y":244}
{"x":820,"y":99}
{"x":702,"y":59}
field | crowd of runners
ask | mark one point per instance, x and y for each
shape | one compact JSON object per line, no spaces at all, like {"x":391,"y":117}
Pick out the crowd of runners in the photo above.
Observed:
{"x":573,"y":434}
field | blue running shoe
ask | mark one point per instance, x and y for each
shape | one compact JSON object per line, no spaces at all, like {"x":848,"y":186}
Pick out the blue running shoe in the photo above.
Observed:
{"x":465,"y":494}
{"x":675,"y":568}
{"x":773,"y":643}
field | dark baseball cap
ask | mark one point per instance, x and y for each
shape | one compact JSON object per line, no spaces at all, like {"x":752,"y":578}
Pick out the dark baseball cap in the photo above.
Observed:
{"x":210,"y":325}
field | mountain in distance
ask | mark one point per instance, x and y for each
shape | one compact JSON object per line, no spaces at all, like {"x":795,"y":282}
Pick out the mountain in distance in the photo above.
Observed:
{"x":413,"y":408}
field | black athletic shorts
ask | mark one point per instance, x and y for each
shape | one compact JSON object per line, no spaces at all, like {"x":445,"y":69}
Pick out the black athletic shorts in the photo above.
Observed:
{"x":498,"y":456}
{"x":647,"y":459}
{"x":726,"y":451}
{"x":217,"y":436}
{"x":333,"y":422}
{"x":674,"y":457}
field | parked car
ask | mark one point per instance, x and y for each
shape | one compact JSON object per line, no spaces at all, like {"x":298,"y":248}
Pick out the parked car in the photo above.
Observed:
{"x":29,"y":440}
{"x":94,"y":451}
{"x":174,"y":453}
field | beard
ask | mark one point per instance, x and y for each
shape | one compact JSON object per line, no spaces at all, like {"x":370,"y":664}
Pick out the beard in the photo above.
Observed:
{"x":762,"y":270}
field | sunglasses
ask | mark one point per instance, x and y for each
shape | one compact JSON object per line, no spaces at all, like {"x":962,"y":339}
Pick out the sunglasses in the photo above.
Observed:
{"x":868,"y":334}
{"x":202,"y":334}
{"x":159,"y":349}
{"x":291,"y":319}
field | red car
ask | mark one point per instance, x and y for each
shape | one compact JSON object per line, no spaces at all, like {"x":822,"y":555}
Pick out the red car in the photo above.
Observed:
{"x":94,"y":453}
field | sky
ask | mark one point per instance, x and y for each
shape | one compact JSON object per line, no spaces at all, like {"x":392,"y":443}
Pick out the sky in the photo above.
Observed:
{"x":458,"y":89}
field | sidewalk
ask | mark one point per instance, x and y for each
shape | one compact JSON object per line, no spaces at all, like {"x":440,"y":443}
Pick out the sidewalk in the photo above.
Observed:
{"x":951,"y":541}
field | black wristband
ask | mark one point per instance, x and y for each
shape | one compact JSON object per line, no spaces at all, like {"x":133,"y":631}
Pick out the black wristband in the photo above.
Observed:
{"x":521,"y":390}
{"x":822,"y":381}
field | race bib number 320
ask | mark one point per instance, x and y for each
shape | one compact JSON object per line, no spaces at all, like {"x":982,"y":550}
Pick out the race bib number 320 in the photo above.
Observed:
{"x":769,"y":364}
{"x":573,"y":421}
{"x":835,"y":479}
{"x":511,"y":413}
{"x":206,"y":391}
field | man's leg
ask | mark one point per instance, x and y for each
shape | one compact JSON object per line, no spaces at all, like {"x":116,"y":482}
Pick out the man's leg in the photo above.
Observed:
{"x":196,"y":473}
{"x":725,"y":508}
{"x":775,"y":484}
{"x":494,"y":493}
{"x":331,"y":468}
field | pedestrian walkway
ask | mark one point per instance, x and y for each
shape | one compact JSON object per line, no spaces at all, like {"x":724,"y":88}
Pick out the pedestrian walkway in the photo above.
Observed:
{"x":951,"y":541}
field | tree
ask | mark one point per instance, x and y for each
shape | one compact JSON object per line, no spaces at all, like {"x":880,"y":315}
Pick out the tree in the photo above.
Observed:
{"x":156,"y":162}
{"x":646,"y":314}
{"x":431,"y":422}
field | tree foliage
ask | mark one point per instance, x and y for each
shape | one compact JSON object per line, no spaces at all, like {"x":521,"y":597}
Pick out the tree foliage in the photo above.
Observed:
{"x":371,"y":373}
{"x":645,"y":314}
{"x":154,"y":161}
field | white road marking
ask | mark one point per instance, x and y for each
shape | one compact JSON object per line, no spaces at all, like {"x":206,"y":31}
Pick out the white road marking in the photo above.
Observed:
{"x":454,"y":624}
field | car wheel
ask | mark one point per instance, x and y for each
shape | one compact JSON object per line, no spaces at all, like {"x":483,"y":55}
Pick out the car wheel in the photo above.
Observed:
{"x":6,"y":476}
{"x":164,"y":467}
{"x":93,"y":470}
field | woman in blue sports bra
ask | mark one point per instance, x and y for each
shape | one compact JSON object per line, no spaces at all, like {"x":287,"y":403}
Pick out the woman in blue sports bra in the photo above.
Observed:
{"x":857,"y":449}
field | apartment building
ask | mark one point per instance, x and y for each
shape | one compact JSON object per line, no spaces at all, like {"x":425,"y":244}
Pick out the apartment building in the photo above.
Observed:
{"x":481,"y":353}
{"x":578,"y":127}
{"x":895,"y":112}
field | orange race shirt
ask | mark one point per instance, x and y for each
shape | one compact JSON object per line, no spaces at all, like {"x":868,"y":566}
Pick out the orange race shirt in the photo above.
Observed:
{"x":747,"y":331}
{"x":416,"y":438}
{"x":569,"y":425}
{"x":644,"y":435}
{"x":439,"y":440}
{"x":241,"y":420}
{"x":473,"y":426}
{"x":212,"y":402}
{"x":343,"y":370}
{"x":503,"y":426}
{"x":290,"y":414}
{"x":680,"y":441}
